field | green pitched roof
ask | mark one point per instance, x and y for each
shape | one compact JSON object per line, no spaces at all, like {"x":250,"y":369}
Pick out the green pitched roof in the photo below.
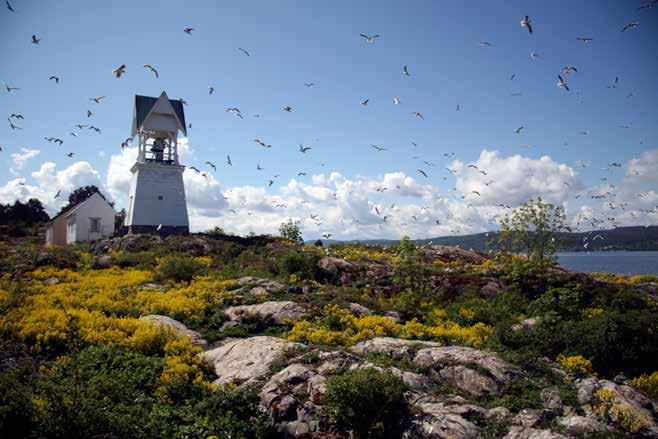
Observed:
{"x":143,"y":105}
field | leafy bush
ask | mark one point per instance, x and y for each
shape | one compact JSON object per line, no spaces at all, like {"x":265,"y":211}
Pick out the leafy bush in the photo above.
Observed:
{"x":178,"y":268}
{"x":647,"y":384}
{"x":290,"y":231}
{"x":303,"y":265}
{"x":369,"y":402}
{"x":134,"y":259}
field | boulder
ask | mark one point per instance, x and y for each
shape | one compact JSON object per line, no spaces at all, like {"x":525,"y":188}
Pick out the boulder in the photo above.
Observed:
{"x":550,"y":397}
{"x":476,"y":372}
{"x":52,"y":281}
{"x":334,"y":265}
{"x":525,"y":325}
{"x":518,"y":432}
{"x":491,"y":289}
{"x":258,"y":287}
{"x":246,"y":360}
{"x":530,"y":417}
{"x":176,"y":326}
{"x":449,"y":254}
{"x":101,"y":262}
{"x":278,"y":312}
{"x":625,"y":397}
{"x":436,"y":420}
{"x":580,"y":425}
{"x":359,"y":310}
{"x":394,"y":347}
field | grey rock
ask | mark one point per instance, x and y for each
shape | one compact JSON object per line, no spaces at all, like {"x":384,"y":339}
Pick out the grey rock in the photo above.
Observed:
{"x":52,"y":281}
{"x":101,"y":262}
{"x":246,"y":360}
{"x":498,"y":413}
{"x":550,"y":397}
{"x":394,"y":347}
{"x":528,"y":417}
{"x":518,"y":432}
{"x":278,"y":312}
{"x":359,"y":310}
{"x":176,"y":326}
{"x":151,"y":286}
{"x":474,"y":371}
{"x":580,"y":425}
{"x":525,"y":325}
{"x":437,"y":420}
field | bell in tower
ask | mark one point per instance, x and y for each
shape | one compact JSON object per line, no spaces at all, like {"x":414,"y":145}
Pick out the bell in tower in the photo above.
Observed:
{"x":157,"y":201}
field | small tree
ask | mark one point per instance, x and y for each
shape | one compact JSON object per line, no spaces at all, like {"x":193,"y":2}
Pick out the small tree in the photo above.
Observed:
{"x":290,"y":231}
{"x":533,"y":228}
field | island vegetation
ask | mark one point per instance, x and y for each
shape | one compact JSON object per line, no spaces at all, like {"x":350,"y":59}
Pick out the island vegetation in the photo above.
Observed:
{"x":214,"y":335}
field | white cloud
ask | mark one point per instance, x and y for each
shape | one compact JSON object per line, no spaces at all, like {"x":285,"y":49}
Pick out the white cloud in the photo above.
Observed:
{"x":19,"y":159}
{"x":514,"y":179}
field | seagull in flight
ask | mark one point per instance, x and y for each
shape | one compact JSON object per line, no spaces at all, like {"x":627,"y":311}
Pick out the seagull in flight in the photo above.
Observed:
{"x":57,"y":194}
{"x":70,"y":155}
{"x":303,"y":148}
{"x":228,"y":160}
{"x":151,"y":68}
{"x":568,"y":69}
{"x":525,"y":22}
{"x":584,"y":40}
{"x":211,"y":89}
{"x":561,"y":83}
{"x":519,"y":129}
{"x":235,"y":111}
{"x":119,"y":70}
{"x":369,"y":38}
{"x":13,"y":127}
{"x":10,"y":88}
{"x":379,"y":148}
{"x":56,"y":78}
{"x":365,"y":103}
{"x":261,"y":143}
{"x":243,"y":51}
{"x":396,"y":100}
{"x":405,"y":71}
{"x":309,"y":84}
{"x":188,"y":30}
{"x":419,"y":115}
{"x":212,"y":165}
{"x":9,"y":6}
{"x":630,"y":26}
{"x":98,"y":99}
{"x":35,"y":39}
{"x":421,"y":172}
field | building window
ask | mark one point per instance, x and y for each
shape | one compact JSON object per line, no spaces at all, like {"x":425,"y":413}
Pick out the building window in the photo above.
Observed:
{"x":160,"y":197}
{"x":95,"y":225}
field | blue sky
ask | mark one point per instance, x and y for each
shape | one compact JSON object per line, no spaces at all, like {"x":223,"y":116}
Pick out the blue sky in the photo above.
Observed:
{"x":292,"y":43}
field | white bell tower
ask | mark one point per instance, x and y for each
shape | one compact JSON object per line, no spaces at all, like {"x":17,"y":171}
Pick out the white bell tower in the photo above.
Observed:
{"x":156,"y":202}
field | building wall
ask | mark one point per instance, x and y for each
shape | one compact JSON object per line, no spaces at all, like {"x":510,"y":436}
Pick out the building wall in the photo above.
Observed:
{"x":57,"y":236}
{"x":94,"y":207}
{"x":157,"y":196}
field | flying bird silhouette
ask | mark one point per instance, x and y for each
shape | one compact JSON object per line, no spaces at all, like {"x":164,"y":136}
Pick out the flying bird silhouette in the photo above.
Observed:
{"x":525,"y":22}
{"x":151,"y":68}
{"x":119,"y":70}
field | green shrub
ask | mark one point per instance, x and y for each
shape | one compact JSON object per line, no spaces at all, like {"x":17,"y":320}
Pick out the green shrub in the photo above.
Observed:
{"x":564,"y":301}
{"x":303,"y":265}
{"x":369,"y":402}
{"x":136,"y":259}
{"x":59,"y":257}
{"x":178,"y":268}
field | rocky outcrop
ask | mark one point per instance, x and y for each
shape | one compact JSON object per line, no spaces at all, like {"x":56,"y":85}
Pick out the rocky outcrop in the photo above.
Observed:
{"x":518,"y":432}
{"x":449,"y":254}
{"x":176,"y":326}
{"x":580,"y":425}
{"x":394,"y":347}
{"x":525,"y":325}
{"x":625,"y":397}
{"x":276,"y":312}
{"x":246,"y":360}
{"x":258,"y":287}
{"x":438,"y":420}
{"x":359,"y":310}
{"x":476,"y":372}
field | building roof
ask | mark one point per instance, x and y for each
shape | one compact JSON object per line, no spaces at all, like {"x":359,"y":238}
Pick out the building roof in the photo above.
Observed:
{"x":144,"y":104}
{"x":75,"y":207}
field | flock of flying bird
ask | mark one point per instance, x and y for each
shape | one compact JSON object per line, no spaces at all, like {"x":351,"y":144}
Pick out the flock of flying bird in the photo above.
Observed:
{"x":384,"y":213}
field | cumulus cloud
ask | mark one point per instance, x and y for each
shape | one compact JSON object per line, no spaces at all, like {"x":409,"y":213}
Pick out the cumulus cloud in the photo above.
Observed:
{"x":19,"y":159}
{"x":49,"y":181}
{"x":514,"y":179}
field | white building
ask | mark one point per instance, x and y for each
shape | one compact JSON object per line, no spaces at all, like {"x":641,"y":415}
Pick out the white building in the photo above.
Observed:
{"x":156,"y":202}
{"x":89,"y":220}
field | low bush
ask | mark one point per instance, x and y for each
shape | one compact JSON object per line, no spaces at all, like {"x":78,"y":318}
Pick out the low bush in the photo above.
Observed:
{"x":366,"y":401}
{"x":302,"y":265}
{"x":178,"y":268}
{"x":647,"y":384}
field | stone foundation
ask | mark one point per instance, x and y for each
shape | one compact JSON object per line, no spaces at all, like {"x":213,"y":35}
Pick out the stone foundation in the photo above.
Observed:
{"x":153,"y":230}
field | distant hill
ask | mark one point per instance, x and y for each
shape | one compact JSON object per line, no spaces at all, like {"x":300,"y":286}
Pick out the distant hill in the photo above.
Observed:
{"x":622,"y":238}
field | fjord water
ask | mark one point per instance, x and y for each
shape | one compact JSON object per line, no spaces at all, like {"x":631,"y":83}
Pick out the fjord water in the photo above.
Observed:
{"x":622,"y":262}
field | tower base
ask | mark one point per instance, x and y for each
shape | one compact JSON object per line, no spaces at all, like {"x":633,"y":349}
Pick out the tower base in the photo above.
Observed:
{"x":153,"y":230}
